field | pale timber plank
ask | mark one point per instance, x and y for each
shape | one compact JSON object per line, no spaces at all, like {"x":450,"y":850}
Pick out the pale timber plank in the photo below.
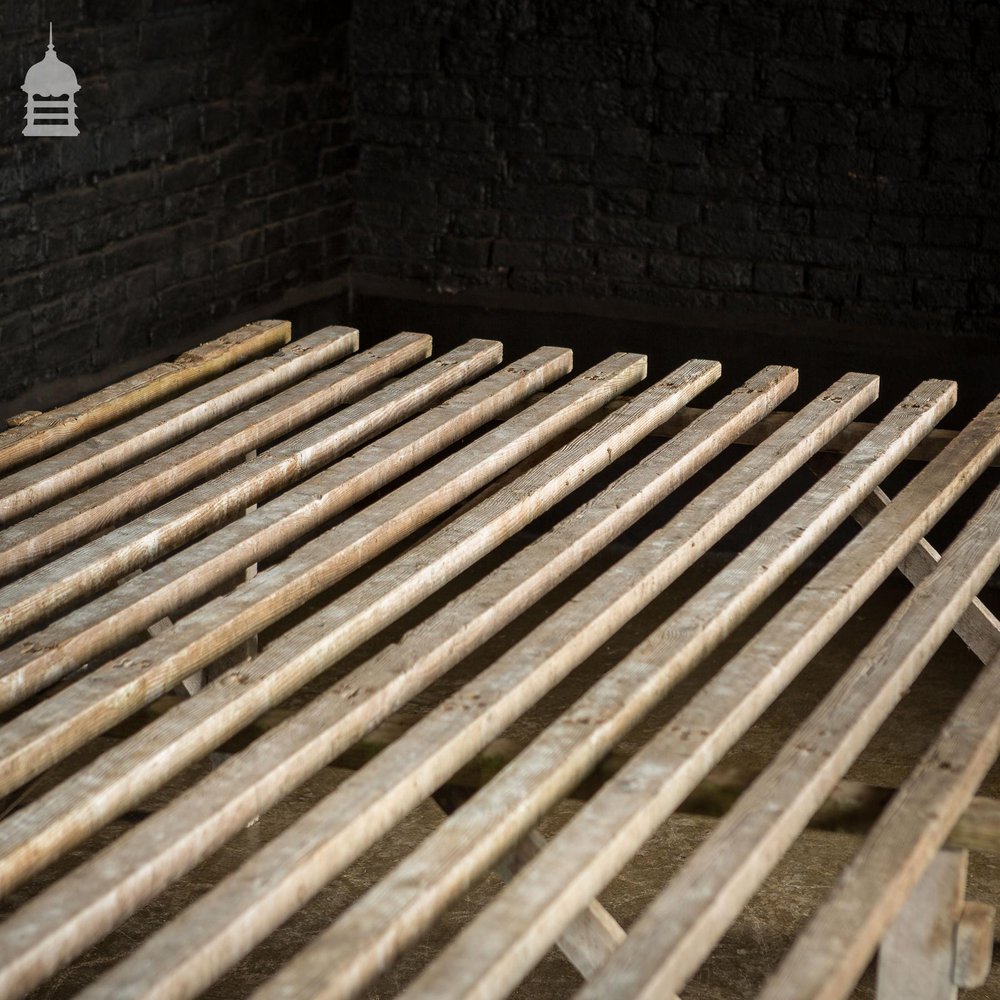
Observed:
{"x":416,"y":574}
{"x":917,"y":958}
{"x":548,"y":893}
{"x":335,"y":719}
{"x":151,"y":535}
{"x":43,"y":433}
{"x":371,"y":801}
{"x":684,"y":922}
{"x":69,"y":718}
{"x":74,"y":639}
{"x":112,"y":450}
{"x":209,"y":452}
{"x":832,"y":952}
{"x":127,"y":773}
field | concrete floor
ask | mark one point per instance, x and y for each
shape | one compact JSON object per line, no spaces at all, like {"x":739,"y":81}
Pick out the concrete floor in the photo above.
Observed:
{"x":754,"y":944}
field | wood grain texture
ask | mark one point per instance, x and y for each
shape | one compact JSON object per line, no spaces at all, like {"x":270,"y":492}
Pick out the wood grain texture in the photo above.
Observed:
{"x":43,"y":935}
{"x":893,"y":878}
{"x":41,"y":434}
{"x":158,"y":427}
{"x":398,"y":909}
{"x":209,"y":452}
{"x":368,"y":693}
{"x":683,"y":923}
{"x":496,"y":951}
{"x":918,"y":955}
{"x":124,"y":775}
{"x":101,"y":698}
{"x":73,"y":640}
{"x":149,"y":536}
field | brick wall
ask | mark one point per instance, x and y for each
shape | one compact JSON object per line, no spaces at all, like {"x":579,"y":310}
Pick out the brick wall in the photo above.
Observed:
{"x":210,"y":176}
{"x":835,"y":160}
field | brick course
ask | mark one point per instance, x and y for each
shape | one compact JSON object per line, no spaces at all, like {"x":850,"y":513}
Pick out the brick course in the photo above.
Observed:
{"x":831,"y":160}
{"x":210,"y":176}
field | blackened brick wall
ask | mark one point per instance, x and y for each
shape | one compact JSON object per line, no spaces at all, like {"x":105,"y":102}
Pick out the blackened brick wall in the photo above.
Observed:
{"x":835,"y":159}
{"x":210,"y":176}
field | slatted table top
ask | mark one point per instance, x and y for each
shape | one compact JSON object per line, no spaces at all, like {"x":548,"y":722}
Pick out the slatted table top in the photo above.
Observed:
{"x":190,"y":560}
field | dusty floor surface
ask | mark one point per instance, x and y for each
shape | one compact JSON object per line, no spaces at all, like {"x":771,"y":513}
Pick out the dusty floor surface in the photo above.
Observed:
{"x":755,"y":943}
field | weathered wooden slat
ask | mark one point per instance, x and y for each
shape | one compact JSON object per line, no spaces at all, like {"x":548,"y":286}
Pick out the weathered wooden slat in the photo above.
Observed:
{"x":160,"y":426}
{"x":208,"y":453}
{"x":414,"y":575}
{"x":74,"y":639}
{"x":196,"y":821}
{"x":592,"y":937}
{"x":125,"y":775}
{"x":566,"y":750}
{"x":682,"y":925}
{"x":371,"y":801}
{"x":96,"y":564}
{"x":832,"y":952}
{"x":851,"y":808}
{"x":31,"y":438}
{"x":45,"y":733}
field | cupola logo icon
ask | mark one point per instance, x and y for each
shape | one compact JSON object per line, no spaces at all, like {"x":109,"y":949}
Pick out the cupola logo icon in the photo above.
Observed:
{"x":51,"y":87}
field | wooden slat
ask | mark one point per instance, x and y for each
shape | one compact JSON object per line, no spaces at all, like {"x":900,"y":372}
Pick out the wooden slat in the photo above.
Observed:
{"x":112,"y":450}
{"x":209,"y":452}
{"x":592,"y":937}
{"x":198,"y":820}
{"x":368,"y":803}
{"x":69,"y":718}
{"x":275,"y":673}
{"x":143,"y":599}
{"x":832,"y":952}
{"x":683,"y":923}
{"x":147,"y":537}
{"x":137,"y":766}
{"x":353,"y":704}
{"x":40,"y":434}
{"x":548,"y":892}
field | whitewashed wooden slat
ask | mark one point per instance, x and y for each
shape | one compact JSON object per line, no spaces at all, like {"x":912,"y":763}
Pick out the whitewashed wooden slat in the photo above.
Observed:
{"x":683,"y":923}
{"x":138,"y":489}
{"x":45,"y":733}
{"x":832,"y":952}
{"x":285,"y":758}
{"x":32,"y":437}
{"x":371,"y":801}
{"x":547,"y":892}
{"x":111,"y":450}
{"x":47,"y":934}
{"x":73,"y":640}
